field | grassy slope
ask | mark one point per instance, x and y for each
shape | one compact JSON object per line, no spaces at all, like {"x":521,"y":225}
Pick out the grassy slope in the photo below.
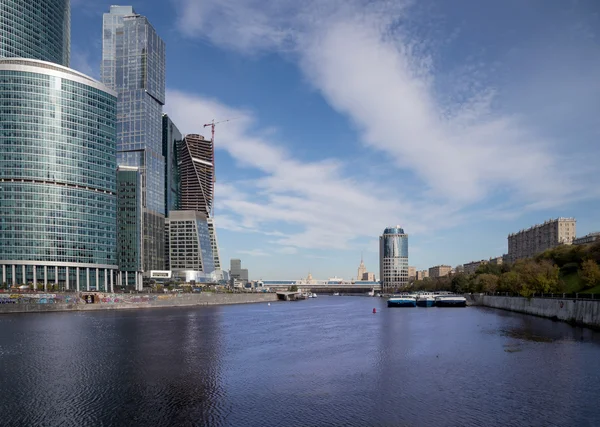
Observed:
{"x":572,"y":283}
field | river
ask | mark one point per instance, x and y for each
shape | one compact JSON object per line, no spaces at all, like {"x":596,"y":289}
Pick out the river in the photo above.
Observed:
{"x":327,"y":361}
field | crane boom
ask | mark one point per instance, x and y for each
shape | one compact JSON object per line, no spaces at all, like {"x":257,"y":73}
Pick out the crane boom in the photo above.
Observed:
{"x":212,"y":125}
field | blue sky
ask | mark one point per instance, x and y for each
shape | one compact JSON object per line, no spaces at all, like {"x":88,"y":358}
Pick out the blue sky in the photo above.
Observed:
{"x":461,"y":121}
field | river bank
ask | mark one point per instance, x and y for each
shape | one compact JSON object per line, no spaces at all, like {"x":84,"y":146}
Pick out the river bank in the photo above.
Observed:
{"x":575,"y":311}
{"x":87,"y":301}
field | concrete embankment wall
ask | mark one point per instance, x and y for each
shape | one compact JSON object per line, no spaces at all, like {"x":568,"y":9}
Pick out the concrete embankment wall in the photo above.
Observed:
{"x":129,"y":301}
{"x":581,"y":312}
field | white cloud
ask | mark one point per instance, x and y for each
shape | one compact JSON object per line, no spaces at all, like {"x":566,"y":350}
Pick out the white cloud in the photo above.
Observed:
{"x":254,"y":252}
{"x":328,"y":208}
{"x":370,"y":68}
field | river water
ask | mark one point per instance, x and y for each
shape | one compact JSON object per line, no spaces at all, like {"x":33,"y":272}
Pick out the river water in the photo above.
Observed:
{"x":327,"y":361}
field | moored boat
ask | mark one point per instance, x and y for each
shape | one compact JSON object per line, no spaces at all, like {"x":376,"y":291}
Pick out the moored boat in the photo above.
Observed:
{"x":402,"y":301}
{"x":425,"y":301}
{"x":450,"y":301}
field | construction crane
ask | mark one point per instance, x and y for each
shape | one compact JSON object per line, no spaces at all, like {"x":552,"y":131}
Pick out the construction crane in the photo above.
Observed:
{"x":212,"y":125}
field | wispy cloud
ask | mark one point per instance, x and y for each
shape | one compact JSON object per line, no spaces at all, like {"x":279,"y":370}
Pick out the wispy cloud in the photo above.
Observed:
{"x":253,"y":252}
{"x":368,"y":65}
{"x":328,"y":208}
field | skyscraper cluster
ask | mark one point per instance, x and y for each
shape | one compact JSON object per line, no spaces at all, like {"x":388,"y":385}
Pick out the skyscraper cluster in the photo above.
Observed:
{"x":91,"y":173}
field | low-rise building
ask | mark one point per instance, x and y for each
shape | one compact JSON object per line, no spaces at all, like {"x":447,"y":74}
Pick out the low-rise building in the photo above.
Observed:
{"x":439,"y":271}
{"x":588,"y":238}
{"x":368,"y":277}
{"x":471,"y":267}
{"x":412,"y":273}
{"x":499,"y":260}
{"x":421,"y":274}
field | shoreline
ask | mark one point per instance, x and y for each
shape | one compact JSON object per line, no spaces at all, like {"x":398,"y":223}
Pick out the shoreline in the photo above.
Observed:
{"x":52,"y":303}
{"x":575,"y":312}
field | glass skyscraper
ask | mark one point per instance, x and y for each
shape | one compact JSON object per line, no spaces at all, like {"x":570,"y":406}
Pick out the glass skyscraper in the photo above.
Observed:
{"x":133,"y":64}
{"x":129,"y":228}
{"x":171,"y":139}
{"x":393,"y":258}
{"x":36,"y":29}
{"x":57,"y":177}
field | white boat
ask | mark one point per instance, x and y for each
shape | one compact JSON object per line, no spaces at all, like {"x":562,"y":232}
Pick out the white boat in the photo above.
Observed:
{"x":336,"y":294}
{"x":425,"y":301}
{"x":450,"y":301}
{"x":313,"y":295}
{"x":402,"y":301}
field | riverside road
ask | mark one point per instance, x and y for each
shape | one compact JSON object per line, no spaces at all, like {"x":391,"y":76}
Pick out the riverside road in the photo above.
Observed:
{"x":327,"y":361}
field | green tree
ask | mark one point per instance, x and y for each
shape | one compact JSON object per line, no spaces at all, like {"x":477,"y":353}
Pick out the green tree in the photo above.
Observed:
{"x":590,"y":273}
{"x":539,"y":277}
{"x":489,"y":269}
{"x":593,"y":251}
{"x":459,"y":283}
{"x":487,"y":283}
{"x":510,"y":282}
{"x":293,"y":288}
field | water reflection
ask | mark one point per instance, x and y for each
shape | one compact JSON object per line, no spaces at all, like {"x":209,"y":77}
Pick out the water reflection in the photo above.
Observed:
{"x":327,"y":361}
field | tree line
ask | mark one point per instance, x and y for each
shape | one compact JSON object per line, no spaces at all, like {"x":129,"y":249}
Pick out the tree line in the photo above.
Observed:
{"x":548,"y":272}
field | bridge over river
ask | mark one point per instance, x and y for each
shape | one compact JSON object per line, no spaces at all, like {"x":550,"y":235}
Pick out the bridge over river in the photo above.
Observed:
{"x":326,"y":287}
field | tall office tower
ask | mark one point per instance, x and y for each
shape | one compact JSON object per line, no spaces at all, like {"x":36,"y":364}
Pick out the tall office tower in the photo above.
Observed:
{"x":393,"y":258}
{"x":129,"y":228}
{"x":171,"y":139}
{"x":133,"y":64}
{"x":57,"y":176}
{"x":36,"y":29}
{"x":196,"y":172}
{"x":195,"y":156}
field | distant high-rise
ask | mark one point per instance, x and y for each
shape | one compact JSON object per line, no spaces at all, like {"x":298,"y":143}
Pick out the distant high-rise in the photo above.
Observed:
{"x":36,"y":29}
{"x":393,"y":258}
{"x":57,"y":177}
{"x":133,"y":64}
{"x":361,"y":269}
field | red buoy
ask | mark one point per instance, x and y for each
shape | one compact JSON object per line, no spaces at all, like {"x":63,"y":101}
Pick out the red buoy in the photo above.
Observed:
{"x":374,"y":310}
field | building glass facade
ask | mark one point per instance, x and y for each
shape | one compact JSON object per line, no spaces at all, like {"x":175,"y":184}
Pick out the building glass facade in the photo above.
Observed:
{"x":36,"y":29}
{"x":129,"y":226}
{"x":133,"y":64}
{"x":393,"y":258}
{"x":189,"y":242}
{"x":57,"y":176}
{"x":171,"y":138}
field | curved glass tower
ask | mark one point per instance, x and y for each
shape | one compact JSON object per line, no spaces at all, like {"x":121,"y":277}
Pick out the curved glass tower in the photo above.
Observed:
{"x":393,"y":258}
{"x":57,"y":177}
{"x":36,"y":29}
